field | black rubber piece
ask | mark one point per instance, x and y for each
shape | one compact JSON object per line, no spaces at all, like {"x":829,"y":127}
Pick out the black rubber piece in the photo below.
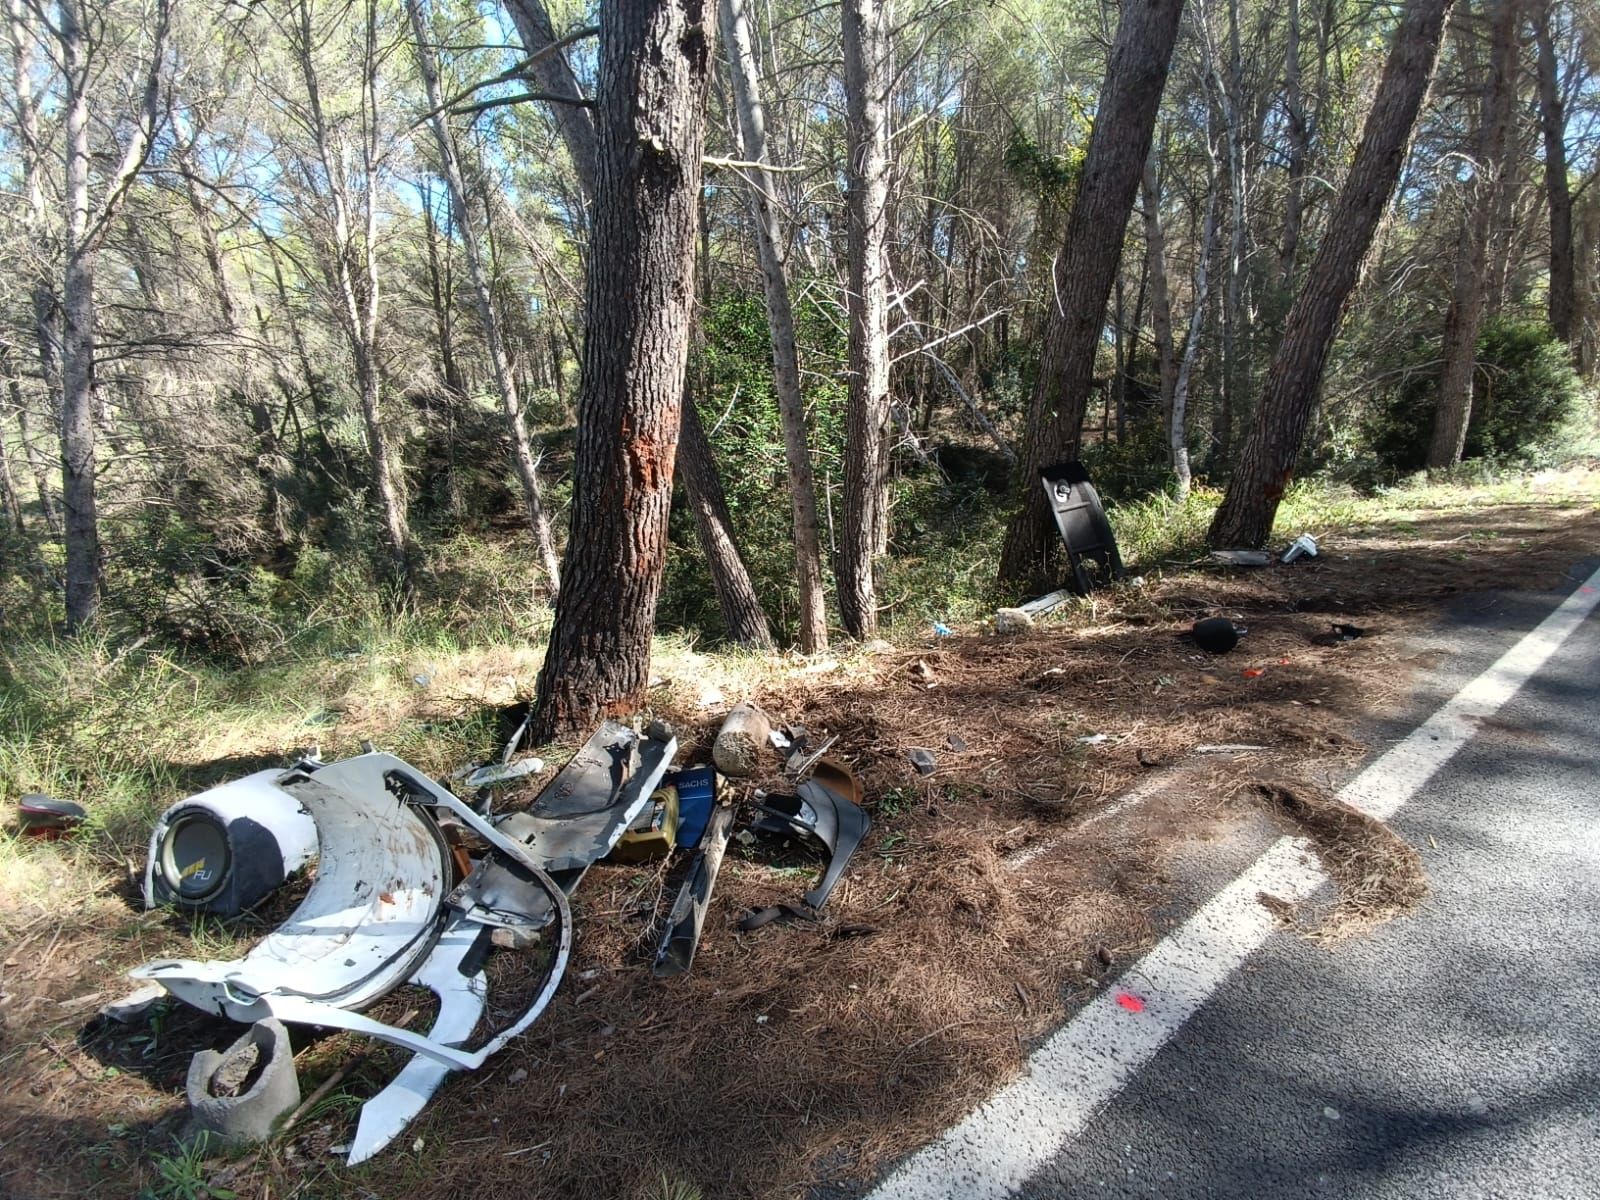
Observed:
{"x":1085,"y":531}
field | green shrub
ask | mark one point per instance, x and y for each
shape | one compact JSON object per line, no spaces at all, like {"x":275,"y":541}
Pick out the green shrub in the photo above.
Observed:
{"x":1524,"y":390}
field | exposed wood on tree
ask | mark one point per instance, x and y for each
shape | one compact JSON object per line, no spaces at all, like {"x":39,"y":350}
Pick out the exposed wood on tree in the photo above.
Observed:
{"x":650,"y":118}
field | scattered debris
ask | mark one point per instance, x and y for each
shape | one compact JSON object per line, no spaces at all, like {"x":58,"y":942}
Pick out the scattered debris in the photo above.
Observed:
{"x":828,"y":808}
{"x":1253,"y":672}
{"x":504,"y":772}
{"x":1304,"y":546}
{"x":48,"y":818}
{"x":1091,"y":546}
{"x":1243,"y":558}
{"x":1093,"y":739}
{"x":1339,"y":633}
{"x":956,"y":742}
{"x":238,"y":1095}
{"x":923,"y":761}
{"x":741,"y":743}
{"x":697,"y":790}
{"x":1046,"y":603}
{"x":676,"y":952}
{"x":1130,"y":1002}
{"x":922,"y":673}
{"x":940,"y":629}
{"x":1228,"y":748}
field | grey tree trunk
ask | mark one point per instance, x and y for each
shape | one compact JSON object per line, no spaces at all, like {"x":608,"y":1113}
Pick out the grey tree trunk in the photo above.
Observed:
{"x":868,"y":73}
{"x":650,"y":115}
{"x":41,"y":289}
{"x":1113,"y":166}
{"x":552,"y":74}
{"x":1155,"y":240}
{"x":351,"y":263}
{"x":522,"y":455}
{"x":1266,"y":461}
{"x":1469,"y":288}
{"x":751,"y":116}
{"x":1179,"y":442}
{"x":86,"y":230}
{"x":13,"y":403}
{"x":1299,"y":136}
{"x":1553,"y":125}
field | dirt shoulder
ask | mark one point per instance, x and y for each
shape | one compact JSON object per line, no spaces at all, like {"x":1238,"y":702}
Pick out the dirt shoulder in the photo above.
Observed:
{"x":991,"y":898}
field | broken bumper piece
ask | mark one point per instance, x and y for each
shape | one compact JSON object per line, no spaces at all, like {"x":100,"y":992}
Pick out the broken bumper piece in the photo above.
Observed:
{"x":377,"y":916}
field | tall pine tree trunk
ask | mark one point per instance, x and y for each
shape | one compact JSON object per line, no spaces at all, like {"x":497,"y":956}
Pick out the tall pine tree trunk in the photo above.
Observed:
{"x":1266,"y":461}
{"x":522,"y":455}
{"x":1113,"y":166}
{"x":650,"y":125}
{"x":1155,"y":240}
{"x":730,"y":577}
{"x":1469,"y":288}
{"x":1553,"y":124}
{"x":736,"y":42}
{"x":868,"y":72}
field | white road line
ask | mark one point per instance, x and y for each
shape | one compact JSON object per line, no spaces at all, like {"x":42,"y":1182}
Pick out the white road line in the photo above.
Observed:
{"x":997,"y":1147}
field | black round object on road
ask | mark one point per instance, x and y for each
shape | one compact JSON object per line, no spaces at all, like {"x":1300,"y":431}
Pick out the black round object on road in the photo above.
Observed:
{"x":1215,"y":635}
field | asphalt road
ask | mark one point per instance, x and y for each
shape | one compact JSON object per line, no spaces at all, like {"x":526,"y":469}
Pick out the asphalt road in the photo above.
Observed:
{"x":1455,"y":1053}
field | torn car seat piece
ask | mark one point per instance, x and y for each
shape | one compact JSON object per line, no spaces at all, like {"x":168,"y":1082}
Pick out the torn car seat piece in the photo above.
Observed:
{"x":1085,"y":531}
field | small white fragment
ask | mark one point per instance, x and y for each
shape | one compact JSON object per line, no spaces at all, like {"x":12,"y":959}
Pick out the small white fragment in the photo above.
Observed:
{"x":1331,"y":1113}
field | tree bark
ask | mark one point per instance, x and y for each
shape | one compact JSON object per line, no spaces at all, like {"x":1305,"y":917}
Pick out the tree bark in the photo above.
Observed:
{"x":1553,"y":124}
{"x":522,"y":455}
{"x":650,"y":117}
{"x":1155,"y":241}
{"x":741,"y":610}
{"x":1469,"y":288}
{"x":1119,"y":144}
{"x":868,"y":73}
{"x":1178,"y":444}
{"x":8,"y":487}
{"x":86,"y":230}
{"x":736,"y":41}
{"x":1299,"y":136}
{"x":1266,"y":461}
{"x":552,"y":74}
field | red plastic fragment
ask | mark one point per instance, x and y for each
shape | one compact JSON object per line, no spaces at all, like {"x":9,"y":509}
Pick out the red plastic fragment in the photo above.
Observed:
{"x":1130,"y":1002}
{"x":1253,"y":672}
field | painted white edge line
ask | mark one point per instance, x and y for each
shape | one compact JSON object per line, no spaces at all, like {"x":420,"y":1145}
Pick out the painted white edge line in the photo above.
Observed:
{"x":998,"y":1146}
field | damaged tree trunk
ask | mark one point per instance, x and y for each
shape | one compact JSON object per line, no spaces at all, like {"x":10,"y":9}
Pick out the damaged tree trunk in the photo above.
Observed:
{"x":868,"y":72}
{"x":522,"y":455}
{"x":736,"y":43}
{"x":1119,"y":145}
{"x":1266,"y":462}
{"x":650,"y":118}
{"x":730,"y":577}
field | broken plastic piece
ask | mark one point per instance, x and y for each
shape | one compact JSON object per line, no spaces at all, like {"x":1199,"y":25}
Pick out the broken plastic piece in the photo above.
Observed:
{"x":504,"y":772}
{"x":1082,"y":521}
{"x":684,"y":923}
{"x":1043,"y":604}
{"x":239,"y":1095}
{"x":697,"y":788}
{"x":46,"y":817}
{"x":225,"y":849}
{"x":923,"y":761}
{"x":1304,"y":546}
{"x":822,"y":810}
{"x":1216,"y":635}
{"x":1243,"y":558}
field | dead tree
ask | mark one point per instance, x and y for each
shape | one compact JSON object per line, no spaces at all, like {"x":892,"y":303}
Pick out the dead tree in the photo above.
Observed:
{"x":868,"y":75}
{"x":650,"y":126}
{"x":1266,"y":462}
{"x":88,"y":221}
{"x":1087,"y":265}
{"x":523,"y":458}
{"x":751,"y":116}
